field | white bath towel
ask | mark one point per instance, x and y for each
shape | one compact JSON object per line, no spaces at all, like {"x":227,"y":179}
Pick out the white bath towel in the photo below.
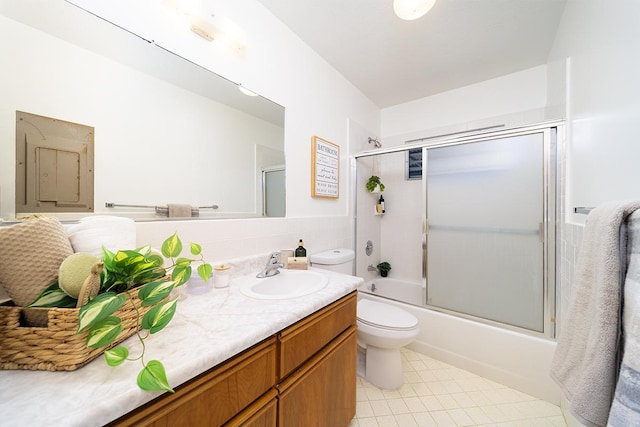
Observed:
{"x":585,"y":363}
{"x":177,"y":210}
{"x":93,"y":232}
{"x":625,"y":409}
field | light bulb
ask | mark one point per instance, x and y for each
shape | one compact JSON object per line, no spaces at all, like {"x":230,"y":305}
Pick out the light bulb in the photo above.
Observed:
{"x":412,"y":9}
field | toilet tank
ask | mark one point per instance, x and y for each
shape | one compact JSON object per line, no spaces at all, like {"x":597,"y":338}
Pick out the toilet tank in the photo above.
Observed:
{"x":338,"y":260}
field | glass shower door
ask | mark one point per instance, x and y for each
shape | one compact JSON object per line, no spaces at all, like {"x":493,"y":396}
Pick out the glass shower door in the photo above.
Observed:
{"x":485,"y":216}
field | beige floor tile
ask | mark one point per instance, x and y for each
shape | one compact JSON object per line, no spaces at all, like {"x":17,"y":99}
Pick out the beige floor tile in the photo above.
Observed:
{"x":477,"y":415}
{"x":421,"y":389}
{"x":460,"y":417}
{"x":387,"y":421}
{"x":367,"y":422}
{"x":398,"y":406}
{"x":424,"y":419}
{"x":443,"y":419}
{"x":447,"y":401}
{"x":431,"y":403}
{"x":414,"y":404}
{"x":406,"y":420}
{"x":380,"y":408}
{"x":436,"y":394}
{"x":463,"y":400}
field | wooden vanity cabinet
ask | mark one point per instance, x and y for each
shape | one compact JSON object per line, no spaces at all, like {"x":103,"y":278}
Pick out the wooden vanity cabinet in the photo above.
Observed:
{"x":303,"y":376}
{"x":214,"y":397}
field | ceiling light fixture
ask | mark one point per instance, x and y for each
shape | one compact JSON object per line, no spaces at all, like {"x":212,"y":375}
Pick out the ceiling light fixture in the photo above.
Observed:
{"x":246,"y":91}
{"x":412,"y":9}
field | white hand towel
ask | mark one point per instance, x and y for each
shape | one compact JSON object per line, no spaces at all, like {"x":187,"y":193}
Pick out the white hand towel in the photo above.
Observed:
{"x":91,"y":233}
{"x":178,"y":210}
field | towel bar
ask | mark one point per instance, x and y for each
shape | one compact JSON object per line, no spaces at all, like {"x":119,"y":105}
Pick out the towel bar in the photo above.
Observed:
{"x":582,"y":210}
{"x":117,"y":205}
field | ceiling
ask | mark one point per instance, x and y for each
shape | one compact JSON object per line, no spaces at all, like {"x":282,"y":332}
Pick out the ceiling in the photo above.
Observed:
{"x":458,"y":43}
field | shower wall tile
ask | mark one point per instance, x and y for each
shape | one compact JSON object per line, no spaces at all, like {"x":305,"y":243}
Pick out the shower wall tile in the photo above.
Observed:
{"x":570,"y":240}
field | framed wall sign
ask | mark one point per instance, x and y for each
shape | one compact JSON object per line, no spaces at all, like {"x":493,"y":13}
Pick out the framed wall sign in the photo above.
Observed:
{"x":325,"y":168}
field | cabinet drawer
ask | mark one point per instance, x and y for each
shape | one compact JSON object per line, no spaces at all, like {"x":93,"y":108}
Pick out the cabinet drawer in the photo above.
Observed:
{"x":302,"y":340}
{"x":262,"y":413}
{"x":215,"y":396}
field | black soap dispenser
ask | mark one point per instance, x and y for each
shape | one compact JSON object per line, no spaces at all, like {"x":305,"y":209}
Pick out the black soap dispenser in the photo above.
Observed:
{"x":300,"y":252}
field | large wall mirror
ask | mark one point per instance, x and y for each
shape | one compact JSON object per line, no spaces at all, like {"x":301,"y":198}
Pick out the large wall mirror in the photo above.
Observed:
{"x":167,"y":131}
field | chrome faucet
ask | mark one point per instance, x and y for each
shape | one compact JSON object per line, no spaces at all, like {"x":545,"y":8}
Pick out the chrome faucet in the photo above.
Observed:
{"x":273,"y":264}
{"x":370,"y":267}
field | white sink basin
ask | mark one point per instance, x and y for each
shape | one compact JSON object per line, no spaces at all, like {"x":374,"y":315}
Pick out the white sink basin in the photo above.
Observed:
{"x":287,"y":284}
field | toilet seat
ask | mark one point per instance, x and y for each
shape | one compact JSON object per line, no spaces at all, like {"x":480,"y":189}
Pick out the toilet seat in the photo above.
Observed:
{"x":385,"y":316}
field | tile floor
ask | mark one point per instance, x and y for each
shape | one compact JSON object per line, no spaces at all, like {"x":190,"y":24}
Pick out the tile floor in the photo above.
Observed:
{"x":436,"y":394}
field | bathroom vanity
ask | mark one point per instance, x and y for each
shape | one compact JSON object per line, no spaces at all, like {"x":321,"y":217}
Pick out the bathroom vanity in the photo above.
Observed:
{"x":232,"y":360}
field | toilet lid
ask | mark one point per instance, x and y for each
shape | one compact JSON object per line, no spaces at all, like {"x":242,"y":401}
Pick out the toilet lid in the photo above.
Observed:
{"x":385,"y":316}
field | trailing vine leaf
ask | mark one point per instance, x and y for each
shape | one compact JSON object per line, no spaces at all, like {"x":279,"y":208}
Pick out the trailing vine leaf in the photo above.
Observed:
{"x":116,"y":356}
{"x":205,"y":271}
{"x":172,"y":246}
{"x":104,"y":332}
{"x":153,"y":377}
{"x":128,"y":269}
{"x":144,"y":250}
{"x":100,"y":307}
{"x":159,"y":316}
{"x":53,"y":296}
{"x":196,"y":249}
{"x":181,"y":273}
{"x":154,"y":292}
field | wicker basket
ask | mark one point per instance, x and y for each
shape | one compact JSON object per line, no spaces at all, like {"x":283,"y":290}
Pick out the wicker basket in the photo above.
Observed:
{"x":56,"y":347}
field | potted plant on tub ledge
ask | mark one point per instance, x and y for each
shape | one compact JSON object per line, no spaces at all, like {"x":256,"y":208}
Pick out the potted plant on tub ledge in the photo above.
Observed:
{"x":384,"y":268}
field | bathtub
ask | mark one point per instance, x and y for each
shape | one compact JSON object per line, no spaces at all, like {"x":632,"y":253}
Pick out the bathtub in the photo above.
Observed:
{"x":399,"y":290}
{"x":515,"y":359}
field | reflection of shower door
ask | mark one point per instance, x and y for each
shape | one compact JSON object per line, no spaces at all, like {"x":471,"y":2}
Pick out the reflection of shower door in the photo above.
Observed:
{"x":273,"y":197}
{"x":485,"y":239}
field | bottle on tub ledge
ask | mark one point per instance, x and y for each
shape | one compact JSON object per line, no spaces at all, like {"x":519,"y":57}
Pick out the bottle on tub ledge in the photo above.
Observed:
{"x":381,"y":203}
{"x":299,"y":260}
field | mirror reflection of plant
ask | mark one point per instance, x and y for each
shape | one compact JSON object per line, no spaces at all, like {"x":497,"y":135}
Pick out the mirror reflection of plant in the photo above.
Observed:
{"x":123,"y":273}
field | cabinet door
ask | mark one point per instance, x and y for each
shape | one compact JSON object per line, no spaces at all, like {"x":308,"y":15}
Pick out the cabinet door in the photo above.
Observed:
{"x":304,"y":339}
{"x":323,"y":392}
{"x":216,"y":396}
{"x":261,"y":413}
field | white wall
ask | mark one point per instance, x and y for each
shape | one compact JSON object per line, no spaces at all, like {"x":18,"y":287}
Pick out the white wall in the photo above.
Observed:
{"x":595,"y":59}
{"x":513,"y":99}
{"x":592,"y":75}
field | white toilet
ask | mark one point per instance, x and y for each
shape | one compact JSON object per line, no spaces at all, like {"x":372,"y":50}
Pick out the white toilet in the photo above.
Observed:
{"x":382,"y":328}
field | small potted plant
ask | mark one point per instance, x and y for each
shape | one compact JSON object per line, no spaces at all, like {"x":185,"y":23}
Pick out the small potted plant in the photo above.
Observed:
{"x":374,"y":184}
{"x":384,"y":268}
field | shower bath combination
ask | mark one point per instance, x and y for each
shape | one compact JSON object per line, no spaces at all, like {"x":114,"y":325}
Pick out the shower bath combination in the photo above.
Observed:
{"x":488,"y":204}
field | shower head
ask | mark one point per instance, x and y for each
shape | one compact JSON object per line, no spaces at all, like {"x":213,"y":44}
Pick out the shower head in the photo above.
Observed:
{"x":375,"y":142}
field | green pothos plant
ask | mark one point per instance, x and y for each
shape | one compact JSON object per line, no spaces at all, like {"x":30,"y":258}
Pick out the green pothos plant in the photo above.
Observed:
{"x":126,"y":272}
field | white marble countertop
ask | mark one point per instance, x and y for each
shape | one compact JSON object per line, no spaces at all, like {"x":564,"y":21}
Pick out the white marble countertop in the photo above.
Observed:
{"x":206,"y":330}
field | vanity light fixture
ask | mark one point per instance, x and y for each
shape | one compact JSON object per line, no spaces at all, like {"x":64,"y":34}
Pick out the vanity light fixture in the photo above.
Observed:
{"x":246,"y":91}
{"x":412,"y":9}
{"x":210,"y":26}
